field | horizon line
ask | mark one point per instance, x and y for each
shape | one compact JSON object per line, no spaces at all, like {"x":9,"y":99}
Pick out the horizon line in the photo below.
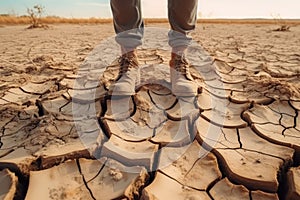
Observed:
{"x":162,"y":18}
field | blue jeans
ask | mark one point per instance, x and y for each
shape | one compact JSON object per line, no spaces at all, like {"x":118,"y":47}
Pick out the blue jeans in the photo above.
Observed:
{"x":129,"y":25}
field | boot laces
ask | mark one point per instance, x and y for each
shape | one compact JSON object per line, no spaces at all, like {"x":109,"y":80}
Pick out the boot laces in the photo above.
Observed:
{"x":126,"y":62}
{"x":181,"y":65}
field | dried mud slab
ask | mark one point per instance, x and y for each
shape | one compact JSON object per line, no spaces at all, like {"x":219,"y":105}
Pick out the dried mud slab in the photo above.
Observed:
{"x":273,"y":87}
{"x":10,"y":114}
{"x":64,"y":109}
{"x":153,"y":117}
{"x":224,"y":113}
{"x":17,"y":123}
{"x":113,"y":180}
{"x":9,"y":183}
{"x":220,"y":93}
{"x":293,"y":183}
{"x":191,"y":166}
{"x":164,"y":187}
{"x":162,"y":101}
{"x":119,"y":108}
{"x":130,"y":153}
{"x":259,"y":195}
{"x":277,"y":122}
{"x":160,"y":91}
{"x":17,"y":96}
{"x":38,"y":89}
{"x":83,"y":140}
{"x":4,"y":102}
{"x":54,"y":154}
{"x":140,"y":108}
{"x":296,"y":104}
{"x":204,"y":69}
{"x":49,"y":150}
{"x":147,"y":113}
{"x":133,"y":121}
{"x":81,"y":81}
{"x":68,"y":82}
{"x":87,"y":95}
{"x":240,"y":168}
{"x":128,"y":130}
{"x":51,"y":183}
{"x":183,"y":109}
{"x":212,"y":136}
{"x":207,"y":101}
{"x":245,"y":97}
{"x":252,"y":142}
{"x":16,"y":119}
{"x":19,"y":159}
{"x":27,"y":138}
{"x":224,"y":189}
{"x":241,"y":150}
{"x":231,"y":84}
{"x":173,"y":134}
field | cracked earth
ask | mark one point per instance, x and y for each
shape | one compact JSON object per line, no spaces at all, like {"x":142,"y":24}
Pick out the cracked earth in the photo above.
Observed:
{"x":238,"y":139}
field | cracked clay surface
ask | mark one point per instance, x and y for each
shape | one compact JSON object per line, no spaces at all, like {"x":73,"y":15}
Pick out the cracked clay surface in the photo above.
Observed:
{"x":239,"y":138}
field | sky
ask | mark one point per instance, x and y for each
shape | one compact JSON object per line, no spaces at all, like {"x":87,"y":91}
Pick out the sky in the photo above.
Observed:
{"x":158,"y":8}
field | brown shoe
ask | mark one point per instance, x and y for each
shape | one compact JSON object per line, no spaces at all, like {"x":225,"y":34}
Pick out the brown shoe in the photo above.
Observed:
{"x":182,"y":82}
{"x":129,"y":75}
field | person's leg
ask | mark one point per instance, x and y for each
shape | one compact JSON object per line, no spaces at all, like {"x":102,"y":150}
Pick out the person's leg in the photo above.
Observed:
{"x":182,"y":18}
{"x":128,"y":23}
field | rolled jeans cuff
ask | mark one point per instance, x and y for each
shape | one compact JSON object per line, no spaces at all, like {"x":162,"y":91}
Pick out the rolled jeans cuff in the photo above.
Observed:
{"x":177,"y":39}
{"x":130,"y":39}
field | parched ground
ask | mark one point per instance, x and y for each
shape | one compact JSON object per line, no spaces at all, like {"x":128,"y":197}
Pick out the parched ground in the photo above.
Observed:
{"x":238,"y":139}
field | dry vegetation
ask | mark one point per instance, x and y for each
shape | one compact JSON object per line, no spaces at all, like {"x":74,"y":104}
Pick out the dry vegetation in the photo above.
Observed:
{"x":14,"y":20}
{"x":35,"y":15}
{"x":283,"y":28}
{"x":291,"y":22}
